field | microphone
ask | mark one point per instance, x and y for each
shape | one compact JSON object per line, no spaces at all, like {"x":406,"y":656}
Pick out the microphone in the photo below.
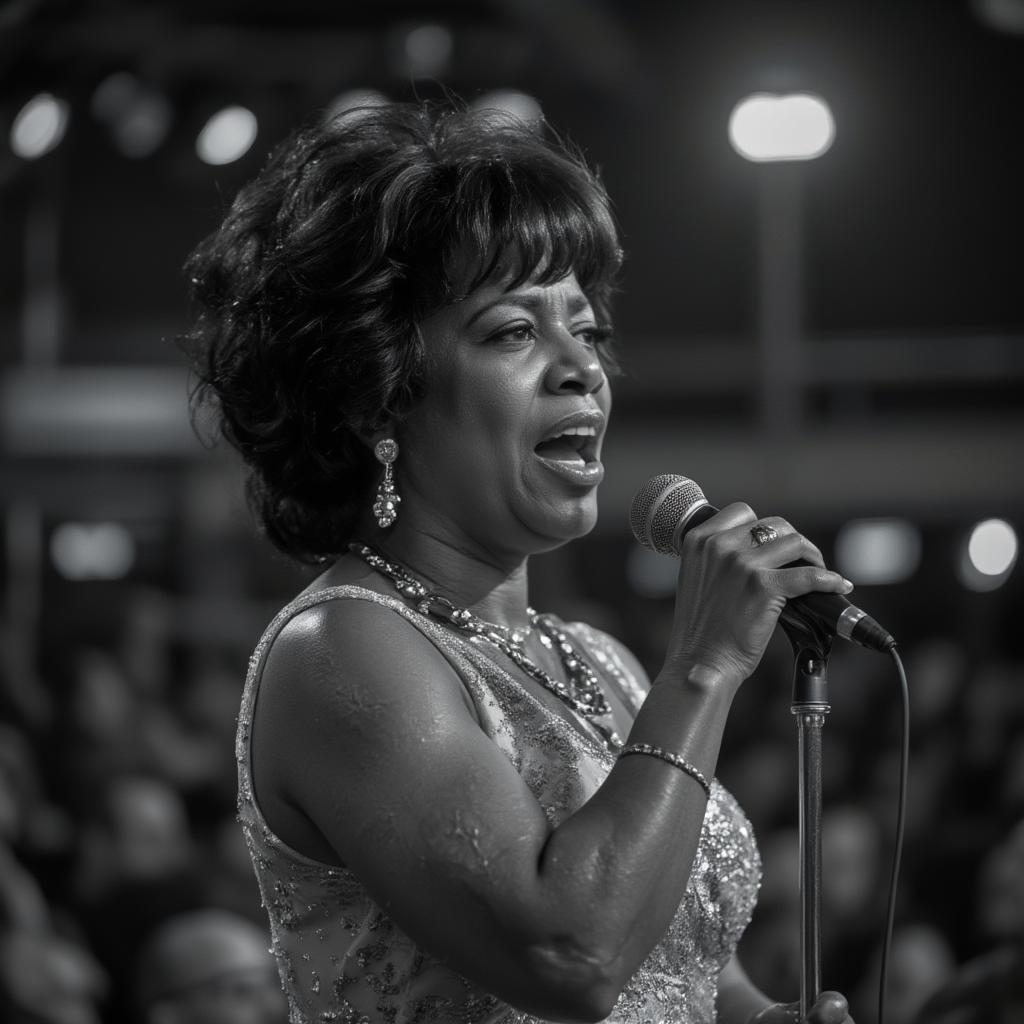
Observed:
{"x":668,"y":505}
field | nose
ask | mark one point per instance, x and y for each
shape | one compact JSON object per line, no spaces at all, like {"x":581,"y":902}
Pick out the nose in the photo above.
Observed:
{"x":574,"y":367}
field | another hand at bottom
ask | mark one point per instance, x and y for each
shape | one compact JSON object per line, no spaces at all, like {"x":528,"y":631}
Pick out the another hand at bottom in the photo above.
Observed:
{"x":828,"y":1008}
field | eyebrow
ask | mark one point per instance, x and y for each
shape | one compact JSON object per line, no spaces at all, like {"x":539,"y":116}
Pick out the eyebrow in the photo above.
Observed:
{"x":532,"y":301}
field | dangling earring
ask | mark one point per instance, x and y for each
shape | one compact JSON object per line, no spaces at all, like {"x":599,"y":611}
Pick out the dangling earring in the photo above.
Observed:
{"x":385,"y":505}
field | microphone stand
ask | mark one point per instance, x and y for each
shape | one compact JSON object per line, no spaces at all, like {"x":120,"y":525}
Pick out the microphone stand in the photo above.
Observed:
{"x":811,"y":649}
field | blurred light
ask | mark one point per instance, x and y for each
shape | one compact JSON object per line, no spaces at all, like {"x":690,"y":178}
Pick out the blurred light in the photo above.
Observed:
{"x":768,"y":127}
{"x":227,"y":136}
{"x":39,"y":126}
{"x":878,"y":551}
{"x":650,"y":574}
{"x":428,"y":48}
{"x":992,"y":547}
{"x":92,"y":551}
{"x":519,"y":104}
{"x":138,"y":116}
{"x":113,"y":96}
{"x":1001,"y":15}
{"x":989,"y":555}
{"x":141,"y":131}
{"x":353,"y":99}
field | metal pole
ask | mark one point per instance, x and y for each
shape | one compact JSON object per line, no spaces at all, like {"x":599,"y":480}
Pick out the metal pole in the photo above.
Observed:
{"x":810,"y":706}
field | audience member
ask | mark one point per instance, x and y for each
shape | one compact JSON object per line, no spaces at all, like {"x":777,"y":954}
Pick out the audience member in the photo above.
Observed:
{"x":208,"y":967}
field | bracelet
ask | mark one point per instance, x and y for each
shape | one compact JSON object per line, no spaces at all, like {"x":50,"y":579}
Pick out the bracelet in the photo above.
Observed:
{"x":673,"y":759}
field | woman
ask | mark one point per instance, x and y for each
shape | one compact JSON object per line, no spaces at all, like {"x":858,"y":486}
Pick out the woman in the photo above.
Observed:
{"x":459,"y":809}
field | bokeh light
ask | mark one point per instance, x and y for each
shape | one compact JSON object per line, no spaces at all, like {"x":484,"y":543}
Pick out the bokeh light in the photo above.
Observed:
{"x":137,"y":115}
{"x":428,"y":50}
{"x":520,"y":105}
{"x":988,"y":557}
{"x":39,"y":126}
{"x":227,"y":136}
{"x":767,"y":127}
{"x":878,"y":551}
{"x":992,"y":547}
{"x":92,"y":551}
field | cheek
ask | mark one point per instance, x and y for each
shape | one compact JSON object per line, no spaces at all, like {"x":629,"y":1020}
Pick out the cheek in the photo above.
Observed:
{"x":483,"y":412}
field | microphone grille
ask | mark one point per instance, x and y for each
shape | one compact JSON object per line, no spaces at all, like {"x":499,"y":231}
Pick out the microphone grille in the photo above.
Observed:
{"x":659,"y":507}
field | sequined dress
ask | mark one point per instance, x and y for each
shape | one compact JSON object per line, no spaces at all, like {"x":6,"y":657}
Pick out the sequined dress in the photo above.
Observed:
{"x":342,"y":960}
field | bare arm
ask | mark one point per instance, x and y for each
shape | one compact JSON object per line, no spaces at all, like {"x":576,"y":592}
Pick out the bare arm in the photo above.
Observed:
{"x":437,"y":823}
{"x":739,"y":999}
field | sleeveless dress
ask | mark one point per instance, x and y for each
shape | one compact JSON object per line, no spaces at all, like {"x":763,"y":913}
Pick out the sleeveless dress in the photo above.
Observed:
{"x":342,"y":960}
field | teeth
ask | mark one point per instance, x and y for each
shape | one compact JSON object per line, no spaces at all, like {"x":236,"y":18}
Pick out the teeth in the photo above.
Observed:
{"x":575,"y":432}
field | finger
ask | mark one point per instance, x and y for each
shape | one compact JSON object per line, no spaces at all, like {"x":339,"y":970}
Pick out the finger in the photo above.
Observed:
{"x":829,"y":1008}
{"x":810,"y":552}
{"x":787,"y":548}
{"x":800,"y":580}
{"x":783,"y":528}
{"x":738,"y":514}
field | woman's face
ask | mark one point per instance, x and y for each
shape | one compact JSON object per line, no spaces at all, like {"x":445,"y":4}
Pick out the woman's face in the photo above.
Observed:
{"x":504,"y":450}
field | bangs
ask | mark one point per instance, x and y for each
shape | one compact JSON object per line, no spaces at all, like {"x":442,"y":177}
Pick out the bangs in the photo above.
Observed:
{"x":516,"y":222}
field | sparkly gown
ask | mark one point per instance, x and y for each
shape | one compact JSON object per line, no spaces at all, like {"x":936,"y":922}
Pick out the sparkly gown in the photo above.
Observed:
{"x":342,"y":959}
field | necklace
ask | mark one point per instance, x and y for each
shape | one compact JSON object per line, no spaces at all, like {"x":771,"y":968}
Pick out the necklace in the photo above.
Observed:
{"x":582,"y":692}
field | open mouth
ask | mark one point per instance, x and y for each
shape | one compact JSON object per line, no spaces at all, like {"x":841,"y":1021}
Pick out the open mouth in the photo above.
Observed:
{"x":575,"y":445}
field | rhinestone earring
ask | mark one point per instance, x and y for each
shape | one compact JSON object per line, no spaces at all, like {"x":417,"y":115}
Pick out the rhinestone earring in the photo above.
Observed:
{"x":385,"y":505}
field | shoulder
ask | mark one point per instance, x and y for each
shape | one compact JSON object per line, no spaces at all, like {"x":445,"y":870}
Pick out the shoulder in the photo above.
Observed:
{"x":345,"y":681}
{"x":351,"y":672}
{"x":334,"y":651}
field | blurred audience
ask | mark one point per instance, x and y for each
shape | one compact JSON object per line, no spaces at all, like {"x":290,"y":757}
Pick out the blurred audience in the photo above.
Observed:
{"x":989,"y":988}
{"x":920,"y":963}
{"x":208,"y":967}
{"x":118,"y":835}
{"x":48,"y":979}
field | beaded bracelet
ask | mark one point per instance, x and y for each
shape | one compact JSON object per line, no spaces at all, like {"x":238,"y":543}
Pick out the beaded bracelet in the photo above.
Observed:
{"x":673,"y":759}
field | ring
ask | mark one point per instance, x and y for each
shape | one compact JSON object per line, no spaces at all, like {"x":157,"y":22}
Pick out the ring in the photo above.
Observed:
{"x":761,"y":534}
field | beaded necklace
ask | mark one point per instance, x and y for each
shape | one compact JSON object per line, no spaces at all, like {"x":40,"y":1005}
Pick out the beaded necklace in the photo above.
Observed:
{"x":582,"y":692}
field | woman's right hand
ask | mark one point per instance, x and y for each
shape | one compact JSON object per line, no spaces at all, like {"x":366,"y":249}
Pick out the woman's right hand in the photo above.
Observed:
{"x":731,"y":591}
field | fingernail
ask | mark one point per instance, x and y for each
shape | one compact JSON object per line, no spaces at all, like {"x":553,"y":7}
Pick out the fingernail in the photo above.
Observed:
{"x":849,"y":585}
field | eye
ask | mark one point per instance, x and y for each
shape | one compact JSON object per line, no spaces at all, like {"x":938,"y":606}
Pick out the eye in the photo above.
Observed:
{"x":594,"y":335}
{"x":520,"y":331}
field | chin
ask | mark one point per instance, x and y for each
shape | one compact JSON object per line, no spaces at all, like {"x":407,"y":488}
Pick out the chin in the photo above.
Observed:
{"x":568,"y":523}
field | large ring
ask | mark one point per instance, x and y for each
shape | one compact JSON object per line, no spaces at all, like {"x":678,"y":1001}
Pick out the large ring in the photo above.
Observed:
{"x":761,"y":534}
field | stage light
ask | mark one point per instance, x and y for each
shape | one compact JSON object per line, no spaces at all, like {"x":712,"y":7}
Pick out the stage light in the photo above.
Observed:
{"x":428,"y":49}
{"x":878,"y":551}
{"x":988,"y":557}
{"x":768,"y":127}
{"x":992,"y":547}
{"x":39,"y":126}
{"x":92,"y":551}
{"x":227,"y":136}
{"x":519,"y":104}
{"x":137,"y":115}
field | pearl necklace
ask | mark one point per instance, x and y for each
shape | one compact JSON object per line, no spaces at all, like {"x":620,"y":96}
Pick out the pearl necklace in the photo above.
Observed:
{"x":582,"y":693}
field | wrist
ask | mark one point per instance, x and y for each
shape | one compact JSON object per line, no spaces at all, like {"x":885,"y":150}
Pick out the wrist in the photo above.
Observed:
{"x":699,"y":678}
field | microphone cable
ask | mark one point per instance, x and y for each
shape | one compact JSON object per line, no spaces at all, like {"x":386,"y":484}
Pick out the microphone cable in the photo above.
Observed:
{"x":901,"y":809}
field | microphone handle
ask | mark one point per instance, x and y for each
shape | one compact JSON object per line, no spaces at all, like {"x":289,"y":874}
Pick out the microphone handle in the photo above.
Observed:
{"x":831,"y":612}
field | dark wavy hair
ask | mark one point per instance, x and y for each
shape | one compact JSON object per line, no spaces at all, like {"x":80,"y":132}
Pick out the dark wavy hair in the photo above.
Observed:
{"x":307,"y":296}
